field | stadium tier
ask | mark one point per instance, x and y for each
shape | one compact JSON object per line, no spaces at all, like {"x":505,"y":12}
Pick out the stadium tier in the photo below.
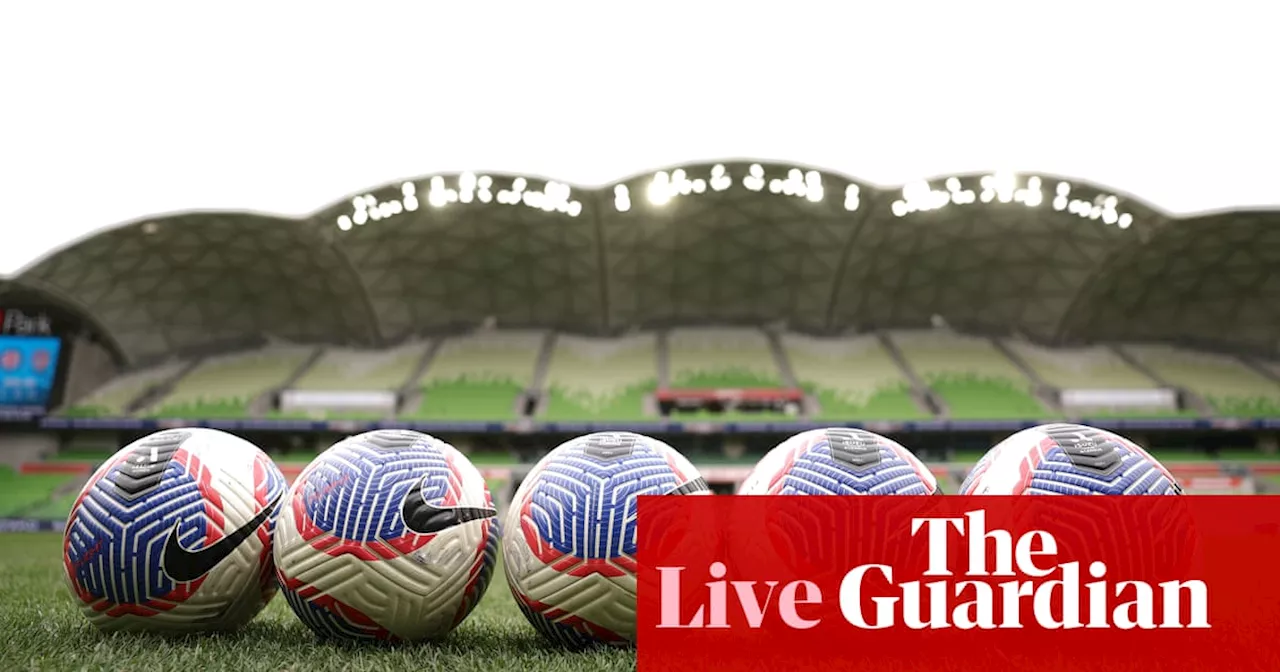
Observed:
{"x":1230,"y":387}
{"x":973,"y":379}
{"x":500,"y":376}
{"x":601,"y":379}
{"x":852,"y":377}
{"x":1093,"y":380}
{"x":1096,"y":367}
{"x":115,"y":398}
{"x":230,"y":386}
{"x":25,"y":494}
{"x":720,"y":359}
{"x":477,"y":377}
{"x":325,"y":389}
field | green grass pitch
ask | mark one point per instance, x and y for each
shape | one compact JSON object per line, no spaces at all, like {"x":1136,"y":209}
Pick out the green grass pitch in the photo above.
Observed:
{"x":43,"y":629}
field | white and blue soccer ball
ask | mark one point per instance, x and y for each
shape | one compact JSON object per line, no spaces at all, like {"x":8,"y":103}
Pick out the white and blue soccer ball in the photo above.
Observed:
{"x":172,"y":534}
{"x":569,"y":539}
{"x":839,"y":461}
{"x":390,"y":535}
{"x":1068,"y":459}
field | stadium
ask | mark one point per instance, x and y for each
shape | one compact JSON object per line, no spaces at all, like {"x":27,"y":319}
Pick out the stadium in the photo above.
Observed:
{"x":721,"y":307}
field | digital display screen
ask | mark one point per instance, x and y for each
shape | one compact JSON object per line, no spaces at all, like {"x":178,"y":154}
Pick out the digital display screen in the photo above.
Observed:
{"x":28,"y":369}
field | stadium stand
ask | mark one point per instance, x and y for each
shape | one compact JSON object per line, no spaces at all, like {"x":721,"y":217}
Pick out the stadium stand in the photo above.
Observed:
{"x":228,"y":386}
{"x":349,"y":369}
{"x":478,"y":377}
{"x":115,"y":397}
{"x":346,"y":370}
{"x":601,"y":378}
{"x":720,"y":358}
{"x":1229,"y":386}
{"x":852,"y":378}
{"x":1095,"y":368}
{"x":969,"y":374}
{"x":723,"y":358}
{"x":21,"y":492}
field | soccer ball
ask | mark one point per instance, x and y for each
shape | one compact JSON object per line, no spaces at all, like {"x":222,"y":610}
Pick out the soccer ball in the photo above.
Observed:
{"x":839,"y":461}
{"x":1068,"y":459}
{"x":389,"y":535}
{"x":832,"y":461}
{"x":570,"y":541}
{"x":173,"y":534}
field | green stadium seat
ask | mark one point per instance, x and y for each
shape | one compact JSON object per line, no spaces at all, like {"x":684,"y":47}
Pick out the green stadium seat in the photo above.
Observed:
{"x":600,"y":378}
{"x":348,"y":369}
{"x":1091,"y":368}
{"x":21,"y":492}
{"x":55,"y":508}
{"x":720,"y":358}
{"x":479,"y":377}
{"x":224,"y":387}
{"x":351,"y":369}
{"x":711,"y":358}
{"x":852,"y":378}
{"x":112,"y":399}
{"x":1228,"y":385}
{"x":973,"y":378}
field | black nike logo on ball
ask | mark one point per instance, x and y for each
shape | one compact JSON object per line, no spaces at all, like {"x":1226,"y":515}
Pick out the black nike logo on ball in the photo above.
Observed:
{"x":423,"y":517}
{"x":183,"y":565}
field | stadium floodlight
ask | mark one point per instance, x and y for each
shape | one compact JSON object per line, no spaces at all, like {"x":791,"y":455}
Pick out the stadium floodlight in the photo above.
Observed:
{"x":720,"y":179}
{"x":920,"y":197}
{"x":957,"y":193}
{"x":621,"y":198}
{"x":469,"y":188}
{"x":999,"y":187}
{"x":660,"y":188}
{"x":852,"y":198}
{"x":797,"y":183}
{"x":1104,"y":206}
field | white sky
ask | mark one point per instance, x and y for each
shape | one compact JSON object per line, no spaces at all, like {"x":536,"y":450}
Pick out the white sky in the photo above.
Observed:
{"x":114,"y":111}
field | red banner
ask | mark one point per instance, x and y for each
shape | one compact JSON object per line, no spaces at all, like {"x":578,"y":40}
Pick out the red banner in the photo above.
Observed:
{"x":959,"y":583}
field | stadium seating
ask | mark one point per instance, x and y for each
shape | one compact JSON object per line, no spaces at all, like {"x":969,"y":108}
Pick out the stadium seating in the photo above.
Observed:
{"x":851,"y":378}
{"x":112,"y":399}
{"x":1096,"y":367}
{"x":478,"y":377}
{"x":351,"y":370}
{"x":21,"y":492}
{"x":1228,"y":385}
{"x":226,"y":386}
{"x":1090,"y":368}
{"x":973,"y":378}
{"x":601,"y":378}
{"x":720,"y":358}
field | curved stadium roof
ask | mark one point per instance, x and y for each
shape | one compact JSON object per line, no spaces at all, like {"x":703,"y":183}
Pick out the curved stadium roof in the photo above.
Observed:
{"x":1055,"y":259}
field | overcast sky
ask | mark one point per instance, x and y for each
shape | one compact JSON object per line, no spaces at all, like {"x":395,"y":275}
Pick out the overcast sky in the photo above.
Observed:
{"x":120,"y":110}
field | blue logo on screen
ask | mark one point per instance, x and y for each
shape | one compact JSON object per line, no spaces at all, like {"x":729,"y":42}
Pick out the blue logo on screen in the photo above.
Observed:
{"x":28,"y":366}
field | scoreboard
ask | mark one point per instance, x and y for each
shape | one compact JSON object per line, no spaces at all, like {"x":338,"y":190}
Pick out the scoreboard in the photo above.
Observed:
{"x":28,"y":369}
{"x":30,"y":350}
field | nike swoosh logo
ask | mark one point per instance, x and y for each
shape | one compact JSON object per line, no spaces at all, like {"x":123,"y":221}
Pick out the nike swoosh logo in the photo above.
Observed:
{"x":423,"y":517}
{"x":183,"y":565}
